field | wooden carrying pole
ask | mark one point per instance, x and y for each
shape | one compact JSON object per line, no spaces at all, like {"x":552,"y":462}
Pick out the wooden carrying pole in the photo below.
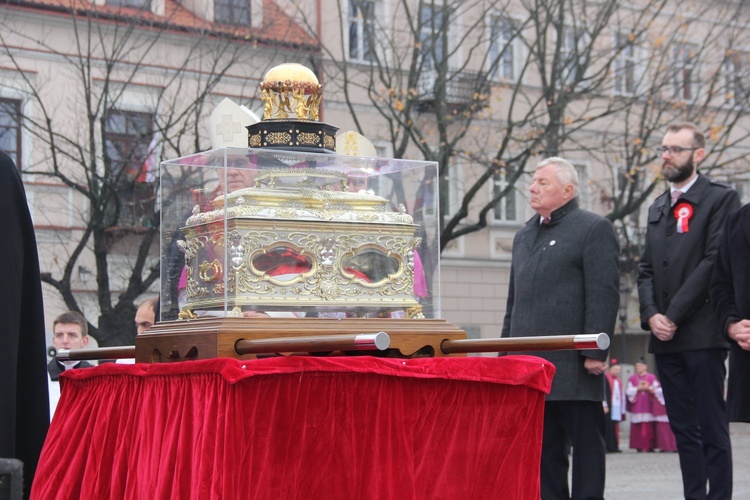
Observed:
{"x":367,"y":341}
{"x":119,"y":352}
{"x":321,"y":343}
{"x":510,"y":344}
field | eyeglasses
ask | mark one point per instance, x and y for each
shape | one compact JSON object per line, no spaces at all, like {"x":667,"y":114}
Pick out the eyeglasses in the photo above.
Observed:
{"x":673,"y":150}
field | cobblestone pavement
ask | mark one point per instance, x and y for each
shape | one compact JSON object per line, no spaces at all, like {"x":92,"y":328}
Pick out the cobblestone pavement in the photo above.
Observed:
{"x":656,"y":476}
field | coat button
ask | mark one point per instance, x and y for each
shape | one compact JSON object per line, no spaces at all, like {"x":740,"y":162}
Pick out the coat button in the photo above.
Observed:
{"x":665,"y":263}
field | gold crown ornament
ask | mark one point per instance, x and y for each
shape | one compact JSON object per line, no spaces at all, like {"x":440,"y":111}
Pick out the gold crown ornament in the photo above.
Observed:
{"x":291,"y":89}
{"x":292,"y":96}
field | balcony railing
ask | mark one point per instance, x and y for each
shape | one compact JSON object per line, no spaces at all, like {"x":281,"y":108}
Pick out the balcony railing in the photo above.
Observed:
{"x":463,"y":90}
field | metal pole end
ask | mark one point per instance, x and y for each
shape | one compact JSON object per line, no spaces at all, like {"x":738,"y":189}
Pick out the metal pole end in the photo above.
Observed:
{"x":380,"y":341}
{"x":602,"y":341}
{"x":63,"y":355}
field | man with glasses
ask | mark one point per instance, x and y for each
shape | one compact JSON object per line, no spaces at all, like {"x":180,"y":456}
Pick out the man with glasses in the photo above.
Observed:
{"x":682,"y":238}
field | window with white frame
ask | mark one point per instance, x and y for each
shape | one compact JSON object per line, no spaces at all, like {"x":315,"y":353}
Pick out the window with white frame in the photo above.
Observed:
{"x":234,"y":12}
{"x":506,"y":208}
{"x":573,"y":51}
{"x":362,"y":15}
{"x":686,"y":78}
{"x":629,"y":72}
{"x":432,"y":35}
{"x":736,"y":74}
{"x":504,"y":48}
{"x":10,"y":129}
{"x":128,"y":139}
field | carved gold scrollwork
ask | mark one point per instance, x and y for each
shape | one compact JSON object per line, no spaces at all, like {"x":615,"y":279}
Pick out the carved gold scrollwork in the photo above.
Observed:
{"x":329,"y":290}
{"x":193,"y":289}
{"x":414,"y":312}
{"x":278,"y":138}
{"x":274,"y":266}
{"x":210,"y":271}
{"x":186,"y":314}
{"x":308,"y":138}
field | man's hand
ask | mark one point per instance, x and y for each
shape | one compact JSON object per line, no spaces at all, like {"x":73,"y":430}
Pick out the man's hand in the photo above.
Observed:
{"x":739,"y":331}
{"x":594,"y":366}
{"x":662,"y":327}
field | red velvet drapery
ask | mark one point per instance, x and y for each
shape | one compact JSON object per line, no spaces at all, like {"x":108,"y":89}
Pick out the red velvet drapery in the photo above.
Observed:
{"x":299,"y":428}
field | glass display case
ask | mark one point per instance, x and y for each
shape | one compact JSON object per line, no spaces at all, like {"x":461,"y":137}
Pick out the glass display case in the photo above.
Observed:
{"x":277,"y":233}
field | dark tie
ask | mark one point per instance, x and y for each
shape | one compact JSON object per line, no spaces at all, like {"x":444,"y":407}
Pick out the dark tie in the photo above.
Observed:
{"x":546,"y":220}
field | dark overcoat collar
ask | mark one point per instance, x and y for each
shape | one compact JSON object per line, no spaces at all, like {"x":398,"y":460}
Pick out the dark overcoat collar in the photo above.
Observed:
{"x":694,"y":194}
{"x":558,"y":214}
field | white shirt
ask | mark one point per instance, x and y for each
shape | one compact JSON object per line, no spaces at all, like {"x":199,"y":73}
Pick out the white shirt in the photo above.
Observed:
{"x":683,"y":189}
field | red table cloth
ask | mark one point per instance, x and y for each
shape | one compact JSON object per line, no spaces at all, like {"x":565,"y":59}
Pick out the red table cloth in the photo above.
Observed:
{"x":299,"y":428}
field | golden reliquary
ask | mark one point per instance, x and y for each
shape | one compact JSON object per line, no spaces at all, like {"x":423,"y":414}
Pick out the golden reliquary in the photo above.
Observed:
{"x":302,"y":240}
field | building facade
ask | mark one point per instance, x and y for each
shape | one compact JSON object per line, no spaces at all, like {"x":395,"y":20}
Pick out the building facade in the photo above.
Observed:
{"x":487,"y":88}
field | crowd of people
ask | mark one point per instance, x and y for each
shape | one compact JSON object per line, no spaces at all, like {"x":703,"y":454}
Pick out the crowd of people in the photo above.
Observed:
{"x":694,"y":293}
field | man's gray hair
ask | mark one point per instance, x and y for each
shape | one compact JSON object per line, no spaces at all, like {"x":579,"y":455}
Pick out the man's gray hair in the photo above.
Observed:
{"x":565,"y":171}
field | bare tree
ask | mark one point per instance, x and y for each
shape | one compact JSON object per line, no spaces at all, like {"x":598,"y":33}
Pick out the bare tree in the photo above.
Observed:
{"x":495,"y":84}
{"x":88,"y":139}
{"x":670,"y":79}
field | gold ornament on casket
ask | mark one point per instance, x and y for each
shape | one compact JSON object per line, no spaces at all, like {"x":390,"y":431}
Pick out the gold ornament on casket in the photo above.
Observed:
{"x":349,"y":253}
{"x":292,"y":97}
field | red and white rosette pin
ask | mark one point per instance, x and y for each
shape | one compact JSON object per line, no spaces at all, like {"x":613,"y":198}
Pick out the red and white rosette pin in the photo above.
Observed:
{"x":683,"y":212}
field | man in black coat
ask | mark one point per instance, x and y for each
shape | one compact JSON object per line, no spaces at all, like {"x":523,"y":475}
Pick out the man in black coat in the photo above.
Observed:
{"x":564,"y":281}
{"x":730,"y":295}
{"x":24,"y":405}
{"x":682,"y":237}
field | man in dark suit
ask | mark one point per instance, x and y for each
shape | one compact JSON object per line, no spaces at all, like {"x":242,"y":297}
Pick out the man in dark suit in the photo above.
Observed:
{"x":730,"y":295}
{"x":70,"y":332}
{"x":564,"y":281}
{"x":674,"y":273}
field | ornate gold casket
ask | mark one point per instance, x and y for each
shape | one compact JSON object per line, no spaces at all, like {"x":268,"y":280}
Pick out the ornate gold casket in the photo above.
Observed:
{"x":302,"y":240}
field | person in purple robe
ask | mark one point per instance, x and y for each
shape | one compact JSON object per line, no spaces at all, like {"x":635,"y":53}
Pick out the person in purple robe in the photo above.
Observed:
{"x":640,"y":391}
